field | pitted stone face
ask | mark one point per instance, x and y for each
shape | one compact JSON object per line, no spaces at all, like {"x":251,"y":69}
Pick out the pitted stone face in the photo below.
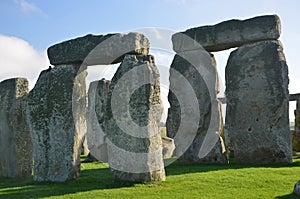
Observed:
{"x":297,"y":117}
{"x":257,"y":117}
{"x":98,"y":49}
{"x":199,"y":69}
{"x":96,"y":111}
{"x":56,"y":127}
{"x":228,"y":34}
{"x":15,"y":141}
{"x":132,"y":121}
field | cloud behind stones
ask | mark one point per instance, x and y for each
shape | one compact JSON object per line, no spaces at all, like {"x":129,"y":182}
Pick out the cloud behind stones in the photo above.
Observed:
{"x":19,"y":59}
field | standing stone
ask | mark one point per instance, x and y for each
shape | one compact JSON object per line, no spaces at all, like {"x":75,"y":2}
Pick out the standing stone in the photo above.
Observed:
{"x":168,"y":147}
{"x":295,"y":141}
{"x":228,"y":34}
{"x":297,"y":188}
{"x":97,"y":100}
{"x":56,"y":112}
{"x":133,"y":116}
{"x":194,"y":116}
{"x":15,"y":141}
{"x":297,"y":117}
{"x":257,"y":116}
{"x":296,"y":132}
{"x":98,"y":49}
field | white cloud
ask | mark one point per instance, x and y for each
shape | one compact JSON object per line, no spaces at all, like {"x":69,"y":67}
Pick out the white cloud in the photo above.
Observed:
{"x":28,"y":7}
{"x":19,"y":59}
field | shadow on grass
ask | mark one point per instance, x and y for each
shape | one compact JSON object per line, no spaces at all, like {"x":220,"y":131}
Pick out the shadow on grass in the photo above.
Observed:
{"x":180,"y":168}
{"x":289,"y":196}
{"x":92,"y":179}
{"x":95,"y":177}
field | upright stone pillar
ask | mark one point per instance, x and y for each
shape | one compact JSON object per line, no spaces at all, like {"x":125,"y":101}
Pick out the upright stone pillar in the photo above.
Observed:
{"x":194,"y":115}
{"x":297,"y":117}
{"x":296,"y":132}
{"x":56,"y":113}
{"x":97,"y":100}
{"x":257,"y":116}
{"x":133,"y":116}
{"x":15,"y":141}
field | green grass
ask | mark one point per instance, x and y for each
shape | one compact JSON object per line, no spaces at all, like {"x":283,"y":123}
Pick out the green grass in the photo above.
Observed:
{"x":183,"y":181}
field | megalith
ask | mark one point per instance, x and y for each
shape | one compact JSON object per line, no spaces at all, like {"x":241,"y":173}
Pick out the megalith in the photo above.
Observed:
{"x":297,"y":117}
{"x":97,"y":100}
{"x":57,"y":104}
{"x":15,"y":141}
{"x":168,"y":147}
{"x":56,"y":113}
{"x":257,"y":116}
{"x":194,"y":115}
{"x":297,"y":188}
{"x":228,"y":34}
{"x":98,"y":49}
{"x":296,"y":132}
{"x":132,"y":121}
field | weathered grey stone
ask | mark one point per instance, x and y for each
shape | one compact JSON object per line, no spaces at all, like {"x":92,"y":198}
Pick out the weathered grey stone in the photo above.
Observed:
{"x":56,"y":112}
{"x":296,"y":133}
{"x":90,"y":158}
{"x":297,"y":117}
{"x":257,"y":116}
{"x":102,"y":49}
{"x":133,"y":116}
{"x":194,"y":115}
{"x":15,"y":141}
{"x":168,"y":147}
{"x":97,"y":99}
{"x":84,"y":148}
{"x":297,"y":188}
{"x":295,"y":140}
{"x":228,"y":34}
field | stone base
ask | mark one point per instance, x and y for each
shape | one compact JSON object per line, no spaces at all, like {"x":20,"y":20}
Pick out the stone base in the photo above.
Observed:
{"x":297,"y":188}
{"x":216,"y":155}
{"x":158,"y":175}
{"x":295,"y":140}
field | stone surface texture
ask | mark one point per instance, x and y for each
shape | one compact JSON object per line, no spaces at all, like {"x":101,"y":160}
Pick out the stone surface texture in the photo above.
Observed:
{"x":97,"y":99}
{"x":228,"y":34}
{"x":56,"y":113}
{"x":168,"y":147}
{"x":132,"y":120}
{"x":297,"y":117}
{"x":297,"y":188}
{"x":98,"y":49}
{"x":295,"y":140}
{"x":296,"y":132}
{"x":196,"y":132}
{"x":15,"y":141}
{"x":257,"y":116}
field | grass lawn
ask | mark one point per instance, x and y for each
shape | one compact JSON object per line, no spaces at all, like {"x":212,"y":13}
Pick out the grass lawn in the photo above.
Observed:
{"x":183,"y":181}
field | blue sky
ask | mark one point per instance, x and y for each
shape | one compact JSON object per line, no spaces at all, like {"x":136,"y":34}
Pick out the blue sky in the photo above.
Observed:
{"x":29,"y":27}
{"x":43,"y":23}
